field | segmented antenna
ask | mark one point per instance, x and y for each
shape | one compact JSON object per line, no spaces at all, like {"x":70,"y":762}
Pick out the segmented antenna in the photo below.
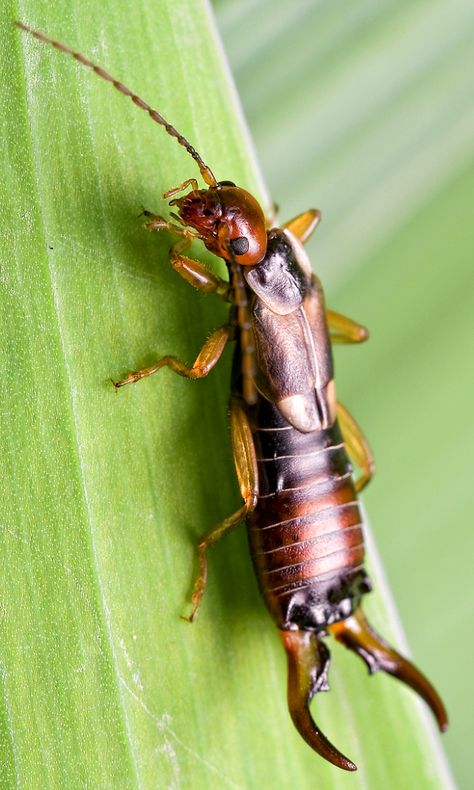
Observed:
{"x":206,"y":171}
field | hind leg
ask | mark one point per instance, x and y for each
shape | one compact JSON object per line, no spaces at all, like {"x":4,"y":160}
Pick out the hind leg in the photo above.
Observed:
{"x":246,"y":466}
{"x":357,"y":447}
{"x":208,"y":356}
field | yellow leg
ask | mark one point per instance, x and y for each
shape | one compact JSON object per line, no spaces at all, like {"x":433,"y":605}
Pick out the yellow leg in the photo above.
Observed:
{"x":345,"y":330}
{"x":208,"y":356}
{"x":190,"y":182}
{"x":246,"y":466}
{"x":157,"y":222}
{"x":196,"y":274}
{"x":357,"y":447}
{"x":304,"y":224}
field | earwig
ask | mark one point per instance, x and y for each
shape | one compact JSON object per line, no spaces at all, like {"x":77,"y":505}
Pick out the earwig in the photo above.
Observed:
{"x":293,"y":442}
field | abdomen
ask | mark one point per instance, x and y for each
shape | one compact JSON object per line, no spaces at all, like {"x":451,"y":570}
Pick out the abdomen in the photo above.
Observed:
{"x":306,"y":532}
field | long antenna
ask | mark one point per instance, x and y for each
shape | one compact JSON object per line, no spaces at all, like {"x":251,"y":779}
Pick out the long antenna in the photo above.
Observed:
{"x":206,"y":171}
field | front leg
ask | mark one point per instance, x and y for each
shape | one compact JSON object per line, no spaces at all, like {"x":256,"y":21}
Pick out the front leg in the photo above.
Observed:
{"x":157,"y":222}
{"x":196,"y":274}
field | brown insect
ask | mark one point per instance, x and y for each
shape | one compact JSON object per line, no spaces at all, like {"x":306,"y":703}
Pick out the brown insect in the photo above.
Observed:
{"x":291,"y":438}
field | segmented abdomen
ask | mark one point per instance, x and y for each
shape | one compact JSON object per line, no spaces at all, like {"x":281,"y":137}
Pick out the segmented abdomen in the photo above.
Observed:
{"x":306,"y":531}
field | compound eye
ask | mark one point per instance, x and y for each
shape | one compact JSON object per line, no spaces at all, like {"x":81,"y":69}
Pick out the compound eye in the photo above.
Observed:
{"x":226,"y":184}
{"x":239,"y":246}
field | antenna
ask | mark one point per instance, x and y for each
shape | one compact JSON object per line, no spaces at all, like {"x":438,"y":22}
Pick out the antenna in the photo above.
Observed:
{"x":206,"y":171}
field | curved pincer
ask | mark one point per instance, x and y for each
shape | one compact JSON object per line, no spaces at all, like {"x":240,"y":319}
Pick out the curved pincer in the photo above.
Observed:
{"x":356,"y":634}
{"x":308,"y":663}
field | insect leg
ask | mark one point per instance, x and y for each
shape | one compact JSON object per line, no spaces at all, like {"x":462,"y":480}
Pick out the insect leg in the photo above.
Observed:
{"x":356,"y":634}
{"x":157,"y":222}
{"x":197,"y":274}
{"x":304,"y":224}
{"x":194,"y":272}
{"x":208,"y":356}
{"x":247,"y":472}
{"x":190,"y":182}
{"x":357,"y":447}
{"x":345,"y":330}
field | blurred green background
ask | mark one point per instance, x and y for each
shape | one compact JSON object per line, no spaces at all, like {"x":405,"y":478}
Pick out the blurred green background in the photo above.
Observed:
{"x":366,"y":110}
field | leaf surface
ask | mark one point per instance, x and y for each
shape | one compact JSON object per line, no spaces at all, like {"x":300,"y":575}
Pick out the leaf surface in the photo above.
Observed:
{"x":105,"y":493}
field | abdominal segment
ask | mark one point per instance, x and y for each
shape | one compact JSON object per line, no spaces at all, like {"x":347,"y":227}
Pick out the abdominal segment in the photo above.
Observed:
{"x":306,"y":530}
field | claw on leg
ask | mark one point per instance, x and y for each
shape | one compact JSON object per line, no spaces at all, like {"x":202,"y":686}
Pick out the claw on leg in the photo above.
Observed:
{"x":357,"y":635}
{"x":208,"y":540}
{"x":308,"y":662}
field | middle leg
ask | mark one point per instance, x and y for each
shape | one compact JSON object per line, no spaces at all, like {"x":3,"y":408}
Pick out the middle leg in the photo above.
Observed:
{"x":208,"y":356}
{"x":357,"y":447}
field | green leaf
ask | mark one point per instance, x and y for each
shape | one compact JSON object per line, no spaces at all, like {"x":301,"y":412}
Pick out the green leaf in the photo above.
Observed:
{"x":103,"y":685}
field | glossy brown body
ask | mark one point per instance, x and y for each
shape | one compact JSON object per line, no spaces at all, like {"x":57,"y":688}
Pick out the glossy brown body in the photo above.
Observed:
{"x":306,"y":530}
{"x":304,"y":524}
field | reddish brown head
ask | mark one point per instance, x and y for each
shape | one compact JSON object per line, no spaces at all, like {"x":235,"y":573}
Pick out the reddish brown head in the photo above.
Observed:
{"x":228,"y":219}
